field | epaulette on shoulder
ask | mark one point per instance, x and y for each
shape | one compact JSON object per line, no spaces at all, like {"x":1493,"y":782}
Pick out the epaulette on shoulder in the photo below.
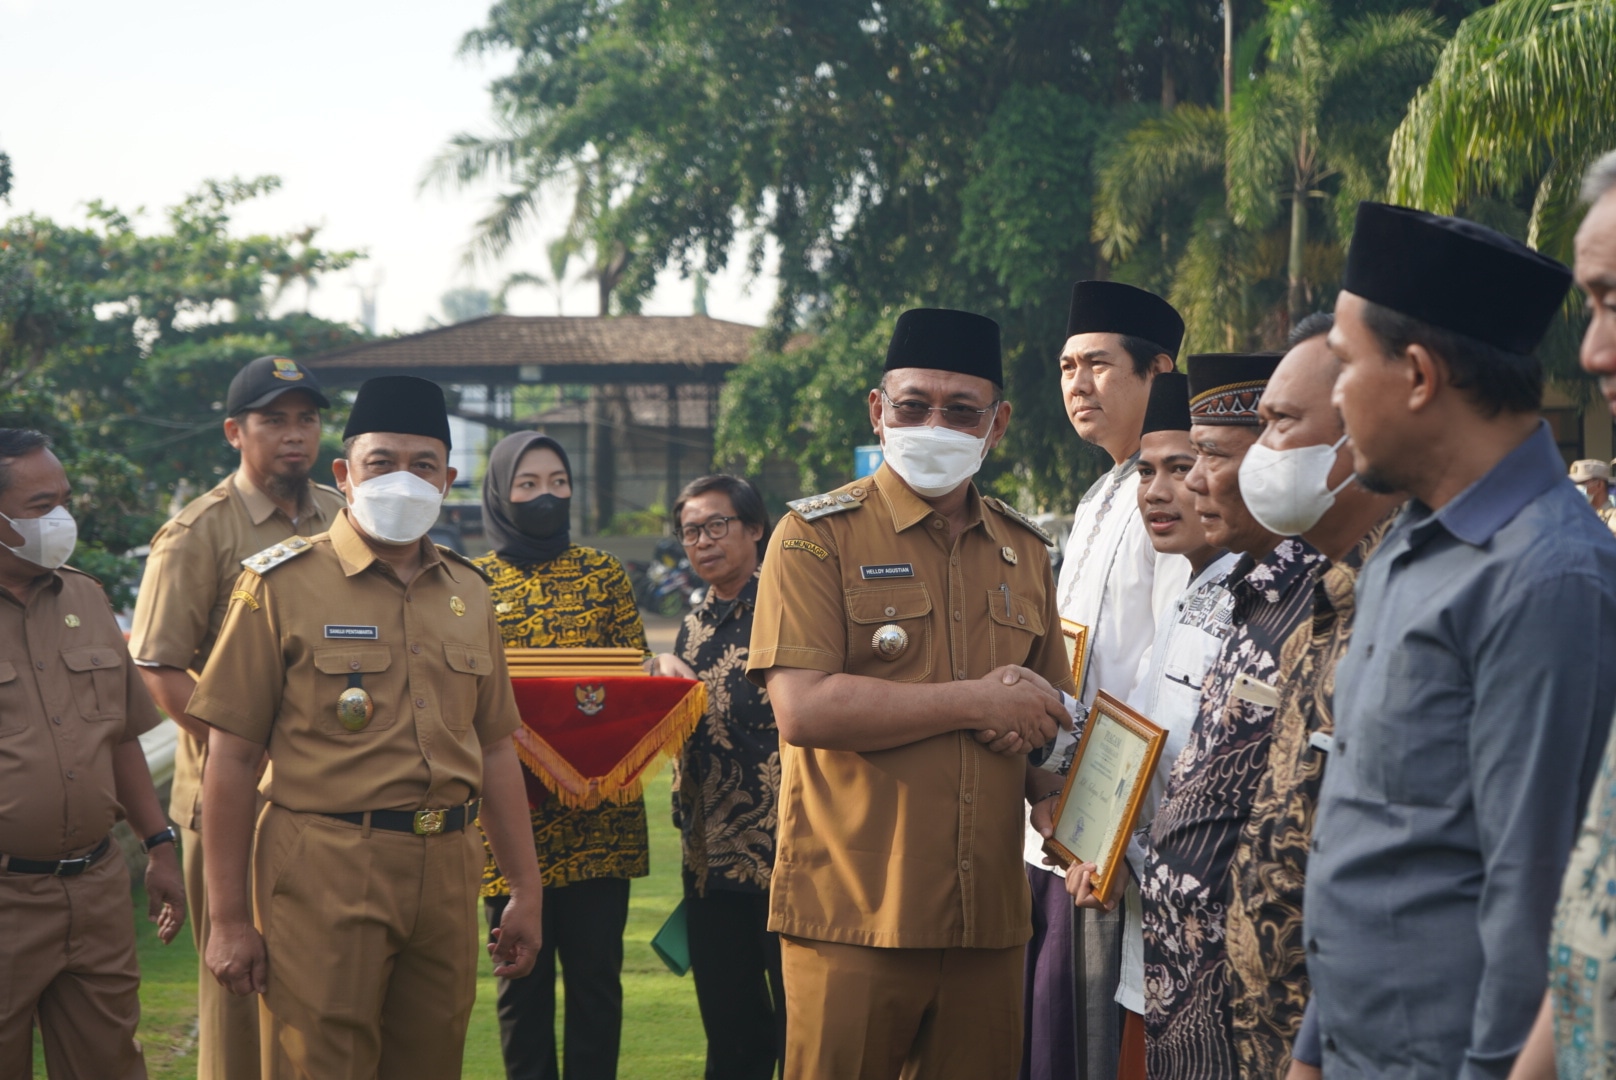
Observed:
{"x":82,"y":573}
{"x":1019,"y":518}
{"x":271,"y":557}
{"x":202,"y":504}
{"x":451,"y":553}
{"x":835,"y":502}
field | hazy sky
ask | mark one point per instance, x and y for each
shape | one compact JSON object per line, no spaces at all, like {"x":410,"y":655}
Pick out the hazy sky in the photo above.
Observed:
{"x":345,"y":100}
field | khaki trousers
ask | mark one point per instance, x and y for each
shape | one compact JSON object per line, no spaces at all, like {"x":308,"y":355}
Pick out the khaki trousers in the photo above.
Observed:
{"x":226,"y":1025}
{"x":919,"y":1014}
{"x":373,"y":948}
{"x":67,"y":950}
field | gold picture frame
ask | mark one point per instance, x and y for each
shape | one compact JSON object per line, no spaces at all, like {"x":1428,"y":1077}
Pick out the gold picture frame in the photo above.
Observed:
{"x":1076,"y":636}
{"x":1105,"y":790}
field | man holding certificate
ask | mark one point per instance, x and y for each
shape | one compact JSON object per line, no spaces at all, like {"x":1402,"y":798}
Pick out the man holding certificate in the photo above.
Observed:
{"x":893,"y":620}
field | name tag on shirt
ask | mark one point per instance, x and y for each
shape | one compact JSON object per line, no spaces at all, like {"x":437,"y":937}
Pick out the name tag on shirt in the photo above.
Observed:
{"x":1258,"y":693}
{"x":351,"y":633}
{"x":887,"y":570}
{"x":1322,"y":742}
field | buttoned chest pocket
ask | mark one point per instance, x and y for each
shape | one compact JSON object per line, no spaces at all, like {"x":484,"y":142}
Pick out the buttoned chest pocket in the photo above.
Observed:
{"x":889,"y":632}
{"x":467,"y":665}
{"x":1413,"y":747}
{"x":96,"y":674}
{"x":13,"y":716}
{"x":1014,"y":623}
{"x":342,"y":667}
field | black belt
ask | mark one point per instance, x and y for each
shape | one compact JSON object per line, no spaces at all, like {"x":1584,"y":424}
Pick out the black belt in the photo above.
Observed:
{"x":419,"y":822}
{"x":60,"y":867}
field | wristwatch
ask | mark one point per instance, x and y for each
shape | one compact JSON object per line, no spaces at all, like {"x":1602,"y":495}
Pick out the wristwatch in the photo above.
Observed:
{"x":167,"y":836}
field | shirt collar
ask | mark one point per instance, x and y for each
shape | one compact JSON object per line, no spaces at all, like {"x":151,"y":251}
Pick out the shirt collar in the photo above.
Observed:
{"x":355,"y":555}
{"x":1492,"y":502}
{"x":908,"y":509}
{"x":261,"y":507}
{"x":745,"y":600}
{"x":1272,"y":576}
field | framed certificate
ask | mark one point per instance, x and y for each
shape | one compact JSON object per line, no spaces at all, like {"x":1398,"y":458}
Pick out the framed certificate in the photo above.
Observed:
{"x":1110,"y":775}
{"x":1076,"y":636}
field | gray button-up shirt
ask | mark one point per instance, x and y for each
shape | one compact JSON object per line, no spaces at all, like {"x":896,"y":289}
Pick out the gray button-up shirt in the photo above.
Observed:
{"x":1471,"y":710}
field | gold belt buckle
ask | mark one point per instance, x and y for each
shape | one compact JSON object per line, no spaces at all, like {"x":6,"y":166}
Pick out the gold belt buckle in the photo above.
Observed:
{"x":429,"y":822}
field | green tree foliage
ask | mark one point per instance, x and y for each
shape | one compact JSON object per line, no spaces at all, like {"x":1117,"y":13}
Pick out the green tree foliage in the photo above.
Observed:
{"x":1520,"y":105}
{"x":1274,"y":185}
{"x":120,"y":343}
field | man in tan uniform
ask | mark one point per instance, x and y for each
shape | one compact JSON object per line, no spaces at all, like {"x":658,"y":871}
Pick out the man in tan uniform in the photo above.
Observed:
{"x":273,"y":419}
{"x":893,"y":616}
{"x":71,"y":765}
{"x":369,"y":663}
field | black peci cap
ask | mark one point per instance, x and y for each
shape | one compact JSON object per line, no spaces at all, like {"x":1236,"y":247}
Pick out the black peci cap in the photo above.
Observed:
{"x":1225,"y":388}
{"x":1454,"y":274}
{"x":402,"y":405}
{"x":1169,"y":406}
{"x":946,"y":340}
{"x":267,"y":378}
{"x":1110,"y":307}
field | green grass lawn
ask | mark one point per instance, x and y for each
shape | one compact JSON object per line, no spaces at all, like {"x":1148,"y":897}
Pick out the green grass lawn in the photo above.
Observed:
{"x":662,"y":1036}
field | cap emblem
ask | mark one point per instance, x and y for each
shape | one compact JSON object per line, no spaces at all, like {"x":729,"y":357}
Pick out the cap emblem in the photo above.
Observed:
{"x":288,"y":370}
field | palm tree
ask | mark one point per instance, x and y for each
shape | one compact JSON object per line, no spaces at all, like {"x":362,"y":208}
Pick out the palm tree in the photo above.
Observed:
{"x":1314,"y":103}
{"x":1520,"y":103}
{"x":1322,"y":106}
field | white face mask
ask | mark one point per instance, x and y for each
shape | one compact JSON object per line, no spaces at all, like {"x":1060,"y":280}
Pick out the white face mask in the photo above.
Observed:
{"x":1288,"y":491}
{"x":396,"y":507}
{"x":932,"y":460}
{"x":47,"y":541}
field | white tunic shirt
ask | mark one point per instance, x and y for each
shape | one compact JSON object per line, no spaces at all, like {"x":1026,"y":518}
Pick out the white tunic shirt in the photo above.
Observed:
{"x":1113,"y":582}
{"x":1169,"y":695}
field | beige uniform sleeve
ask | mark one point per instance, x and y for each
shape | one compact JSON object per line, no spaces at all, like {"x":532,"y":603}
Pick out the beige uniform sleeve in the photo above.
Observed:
{"x":177,"y":593}
{"x":800,"y":621}
{"x":497,"y":717}
{"x":140,"y":711}
{"x":241,"y":689}
{"x":1048,"y":657}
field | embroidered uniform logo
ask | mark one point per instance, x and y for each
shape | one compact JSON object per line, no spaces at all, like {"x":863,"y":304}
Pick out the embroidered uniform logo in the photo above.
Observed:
{"x":591,"y":699}
{"x":797,"y":543}
{"x":287,"y":369}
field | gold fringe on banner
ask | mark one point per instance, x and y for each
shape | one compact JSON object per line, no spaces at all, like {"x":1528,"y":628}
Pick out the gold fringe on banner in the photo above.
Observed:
{"x":572,"y":788}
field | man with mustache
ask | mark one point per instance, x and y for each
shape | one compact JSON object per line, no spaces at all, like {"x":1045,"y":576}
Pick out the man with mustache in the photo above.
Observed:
{"x":272,"y":419}
{"x":1475,"y":696}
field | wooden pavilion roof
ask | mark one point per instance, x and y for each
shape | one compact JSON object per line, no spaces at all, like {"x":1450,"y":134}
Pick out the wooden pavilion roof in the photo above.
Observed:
{"x":507,"y":349}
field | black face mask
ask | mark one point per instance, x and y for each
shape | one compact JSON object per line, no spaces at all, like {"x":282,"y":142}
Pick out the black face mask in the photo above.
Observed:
{"x":543,"y":517}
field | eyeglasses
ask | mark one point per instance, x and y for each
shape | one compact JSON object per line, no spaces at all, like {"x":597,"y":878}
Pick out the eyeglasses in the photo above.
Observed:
{"x":962,"y":417}
{"x":716,"y":529}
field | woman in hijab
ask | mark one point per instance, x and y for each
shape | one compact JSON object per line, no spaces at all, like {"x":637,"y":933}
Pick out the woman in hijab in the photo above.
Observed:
{"x":551,"y":593}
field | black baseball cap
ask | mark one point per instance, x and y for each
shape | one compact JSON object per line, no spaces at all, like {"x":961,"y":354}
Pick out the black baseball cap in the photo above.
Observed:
{"x":267,"y":378}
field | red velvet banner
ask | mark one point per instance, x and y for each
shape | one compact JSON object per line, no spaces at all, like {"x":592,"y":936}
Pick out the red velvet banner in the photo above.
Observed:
{"x":591,"y":739}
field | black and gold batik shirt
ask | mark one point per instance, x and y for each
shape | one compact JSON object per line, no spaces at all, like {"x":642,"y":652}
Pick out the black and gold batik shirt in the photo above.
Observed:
{"x":728,"y":776}
{"x":580,"y":599}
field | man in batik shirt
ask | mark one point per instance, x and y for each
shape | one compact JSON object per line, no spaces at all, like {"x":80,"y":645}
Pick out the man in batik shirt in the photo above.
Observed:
{"x":1345,"y":522}
{"x":1188,"y":1029}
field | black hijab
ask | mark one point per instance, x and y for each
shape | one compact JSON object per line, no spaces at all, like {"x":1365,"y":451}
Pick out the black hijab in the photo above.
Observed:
{"x":499,"y":513}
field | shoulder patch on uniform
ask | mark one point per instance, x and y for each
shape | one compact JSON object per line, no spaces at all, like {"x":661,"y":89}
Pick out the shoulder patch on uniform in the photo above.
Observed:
{"x":271,"y":557}
{"x":451,"y":553}
{"x":245,"y":597}
{"x":203,"y":503}
{"x":1019,"y":518}
{"x":835,"y":502}
{"x":797,"y":543}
